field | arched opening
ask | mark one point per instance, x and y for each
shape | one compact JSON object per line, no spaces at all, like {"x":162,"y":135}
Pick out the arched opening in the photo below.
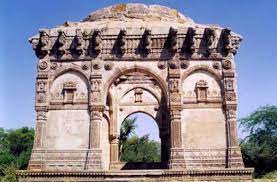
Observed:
{"x":140,"y":142}
{"x":134,"y":94}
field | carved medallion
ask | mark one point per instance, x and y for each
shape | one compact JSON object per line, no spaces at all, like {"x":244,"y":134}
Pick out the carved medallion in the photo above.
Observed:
{"x":96,"y":66}
{"x":85,"y":67}
{"x":184,"y":64}
{"x":108,"y":66}
{"x":216,"y":65}
{"x":226,"y":64}
{"x":43,"y":65}
{"x":161,"y":65}
{"x":173,"y":65}
{"x":54,"y":66}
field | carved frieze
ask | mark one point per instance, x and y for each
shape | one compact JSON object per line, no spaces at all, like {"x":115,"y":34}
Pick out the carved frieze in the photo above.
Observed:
{"x":89,"y":43}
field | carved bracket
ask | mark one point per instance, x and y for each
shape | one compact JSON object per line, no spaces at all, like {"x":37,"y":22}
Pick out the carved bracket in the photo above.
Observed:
{"x":121,"y":42}
{"x":190,"y":41}
{"x":172,"y":40}
{"x":146,"y":42}
{"x":41,"y":47}
{"x":79,"y":41}
{"x":60,"y":43}
{"x":211,"y":40}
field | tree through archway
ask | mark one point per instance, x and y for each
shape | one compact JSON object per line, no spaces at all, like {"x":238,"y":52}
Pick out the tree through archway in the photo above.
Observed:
{"x":139,"y":139}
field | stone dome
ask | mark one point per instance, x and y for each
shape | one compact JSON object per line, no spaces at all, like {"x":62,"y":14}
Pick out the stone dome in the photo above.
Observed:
{"x":134,"y":11}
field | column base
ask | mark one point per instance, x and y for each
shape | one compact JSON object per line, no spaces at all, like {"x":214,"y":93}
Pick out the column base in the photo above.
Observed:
{"x":177,"y":160}
{"x":94,"y":160}
{"x":234,"y":157}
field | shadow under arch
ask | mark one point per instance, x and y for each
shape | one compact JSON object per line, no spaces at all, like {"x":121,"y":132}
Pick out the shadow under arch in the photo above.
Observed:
{"x":120,"y":72}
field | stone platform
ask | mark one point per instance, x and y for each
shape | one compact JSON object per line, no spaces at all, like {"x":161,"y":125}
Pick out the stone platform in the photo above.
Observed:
{"x":238,"y":174}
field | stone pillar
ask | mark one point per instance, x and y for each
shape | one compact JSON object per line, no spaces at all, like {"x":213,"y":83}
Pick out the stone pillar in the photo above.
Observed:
{"x":40,"y":130}
{"x":233,"y":150}
{"x":94,"y":156}
{"x":37,"y":159}
{"x":175,"y":106}
{"x":234,"y":158}
{"x":114,"y":151}
{"x":95,"y":122}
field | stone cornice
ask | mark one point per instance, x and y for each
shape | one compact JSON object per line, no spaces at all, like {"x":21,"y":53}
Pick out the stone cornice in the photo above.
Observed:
{"x":70,"y":44}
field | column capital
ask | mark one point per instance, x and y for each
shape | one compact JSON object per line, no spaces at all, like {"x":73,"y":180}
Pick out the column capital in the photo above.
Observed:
{"x":99,"y":108}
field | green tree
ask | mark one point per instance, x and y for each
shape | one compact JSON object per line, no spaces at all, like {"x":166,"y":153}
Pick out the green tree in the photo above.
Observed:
{"x":127,"y":129}
{"x":134,"y":148}
{"x":15,"y":149}
{"x":259,"y":148}
{"x":141,"y":149}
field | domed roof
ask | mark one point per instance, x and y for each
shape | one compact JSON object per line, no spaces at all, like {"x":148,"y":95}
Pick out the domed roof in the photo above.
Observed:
{"x":131,"y":11}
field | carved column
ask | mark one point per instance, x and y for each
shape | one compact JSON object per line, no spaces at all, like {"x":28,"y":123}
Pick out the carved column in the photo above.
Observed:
{"x":175,"y":105}
{"x":95,"y":122}
{"x":40,"y":129}
{"x":234,"y":158}
{"x":96,"y":112}
{"x":37,"y":158}
{"x":114,"y":151}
